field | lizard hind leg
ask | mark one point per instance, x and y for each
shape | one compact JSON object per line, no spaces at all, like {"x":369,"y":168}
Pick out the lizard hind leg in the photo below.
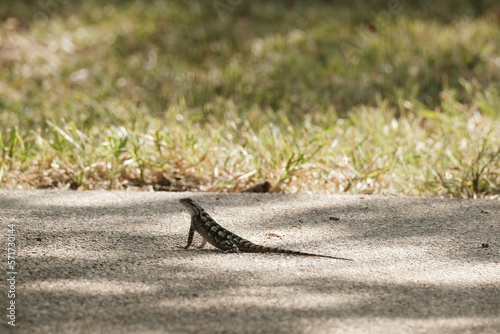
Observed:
{"x":232,"y":248}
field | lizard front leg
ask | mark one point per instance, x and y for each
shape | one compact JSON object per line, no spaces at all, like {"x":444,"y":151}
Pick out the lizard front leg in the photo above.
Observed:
{"x":203,"y":243}
{"x":190,"y":237}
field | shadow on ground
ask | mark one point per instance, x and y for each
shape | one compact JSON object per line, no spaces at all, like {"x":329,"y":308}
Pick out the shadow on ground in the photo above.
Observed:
{"x":90,"y":263}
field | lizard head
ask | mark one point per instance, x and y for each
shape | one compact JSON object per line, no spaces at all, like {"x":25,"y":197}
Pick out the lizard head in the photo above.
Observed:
{"x":191,"y":206}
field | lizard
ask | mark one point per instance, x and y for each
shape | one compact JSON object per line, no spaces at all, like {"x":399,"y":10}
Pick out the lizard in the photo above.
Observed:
{"x":226,"y":240}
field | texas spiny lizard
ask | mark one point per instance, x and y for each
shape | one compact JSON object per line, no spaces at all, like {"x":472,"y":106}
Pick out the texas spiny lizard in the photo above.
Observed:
{"x":225,"y":240}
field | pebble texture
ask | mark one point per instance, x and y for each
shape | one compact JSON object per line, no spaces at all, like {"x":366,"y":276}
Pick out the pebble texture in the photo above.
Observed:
{"x":108,"y":262}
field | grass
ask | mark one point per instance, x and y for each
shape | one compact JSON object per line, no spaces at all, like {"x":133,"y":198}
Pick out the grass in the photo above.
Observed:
{"x":312,"y":97}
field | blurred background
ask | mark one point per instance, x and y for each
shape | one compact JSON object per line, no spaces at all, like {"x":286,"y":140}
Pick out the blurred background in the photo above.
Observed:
{"x":387,"y":97}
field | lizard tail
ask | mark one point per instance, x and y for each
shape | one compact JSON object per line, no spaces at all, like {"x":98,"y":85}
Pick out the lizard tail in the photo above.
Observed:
{"x":249,"y":246}
{"x":286,"y":251}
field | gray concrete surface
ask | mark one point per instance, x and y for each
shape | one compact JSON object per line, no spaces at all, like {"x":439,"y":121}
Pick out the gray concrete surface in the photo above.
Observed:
{"x":107,"y":262}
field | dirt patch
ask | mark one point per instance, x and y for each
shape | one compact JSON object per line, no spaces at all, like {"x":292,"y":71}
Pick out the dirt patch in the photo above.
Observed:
{"x":94,"y":262}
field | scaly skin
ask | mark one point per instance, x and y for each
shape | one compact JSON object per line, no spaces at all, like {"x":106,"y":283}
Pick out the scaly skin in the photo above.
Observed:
{"x":225,"y":240}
